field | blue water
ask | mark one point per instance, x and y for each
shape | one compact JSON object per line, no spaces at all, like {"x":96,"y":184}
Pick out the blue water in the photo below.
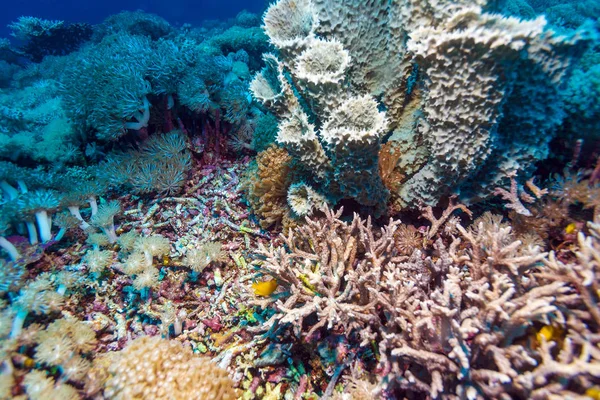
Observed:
{"x":177,"y":12}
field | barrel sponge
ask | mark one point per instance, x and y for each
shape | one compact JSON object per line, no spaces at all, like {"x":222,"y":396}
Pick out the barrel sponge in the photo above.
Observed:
{"x":155,"y":368}
{"x":324,"y":61}
{"x":298,"y":136}
{"x":289,"y":23}
{"x":320,"y":70}
{"x":270,"y":87}
{"x":474,"y":63}
{"x":370,"y":30}
{"x":304,"y":200}
{"x":354,"y":126}
{"x":352,"y":135}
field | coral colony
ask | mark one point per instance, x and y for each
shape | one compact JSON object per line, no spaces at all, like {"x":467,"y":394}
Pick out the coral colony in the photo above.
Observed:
{"x":342,"y":199}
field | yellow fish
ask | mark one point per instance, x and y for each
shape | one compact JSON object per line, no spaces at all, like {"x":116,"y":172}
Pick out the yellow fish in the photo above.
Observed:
{"x":593,"y":392}
{"x":265,"y":288}
{"x":570,"y":228}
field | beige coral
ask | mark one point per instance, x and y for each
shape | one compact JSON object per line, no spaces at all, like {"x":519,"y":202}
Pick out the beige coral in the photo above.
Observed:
{"x":155,"y":368}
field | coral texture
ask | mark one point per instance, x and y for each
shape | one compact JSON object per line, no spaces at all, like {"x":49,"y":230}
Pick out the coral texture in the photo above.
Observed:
{"x":154,"y":368}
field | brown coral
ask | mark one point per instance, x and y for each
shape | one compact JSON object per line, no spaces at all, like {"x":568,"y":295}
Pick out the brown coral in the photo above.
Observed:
{"x":389,"y":154}
{"x":157,"y":369}
{"x":267,"y":187}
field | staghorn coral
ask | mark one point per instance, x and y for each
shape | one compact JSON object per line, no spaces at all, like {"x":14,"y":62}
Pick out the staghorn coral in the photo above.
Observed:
{"x":327,"y":268}
{"x":155,"y":368}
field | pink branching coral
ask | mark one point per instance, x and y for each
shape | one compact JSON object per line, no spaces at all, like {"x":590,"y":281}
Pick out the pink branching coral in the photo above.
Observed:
{"x":328,"y":268}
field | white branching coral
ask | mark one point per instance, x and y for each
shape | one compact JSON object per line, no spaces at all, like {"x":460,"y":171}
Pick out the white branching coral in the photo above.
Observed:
{"x":327,"y":269}
{"x":455,"y":325}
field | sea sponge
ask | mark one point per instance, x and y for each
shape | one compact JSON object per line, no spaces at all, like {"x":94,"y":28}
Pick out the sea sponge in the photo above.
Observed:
{"x":320,"y":70}
{"x":304,"y":200}
{"x":159,"y":369}
{"x":299,"y":137}
{"x":352,"y":134}
{"x":289,"y":23}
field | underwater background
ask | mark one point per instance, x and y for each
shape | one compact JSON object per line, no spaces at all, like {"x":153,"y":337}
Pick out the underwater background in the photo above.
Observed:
{"x":94,"y":12}
{"x":300,"y":199}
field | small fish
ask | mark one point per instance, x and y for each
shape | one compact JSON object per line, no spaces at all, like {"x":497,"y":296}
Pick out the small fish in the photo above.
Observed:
{"x":265,"y":288}
{"x":550,"y":333}
{"x":570,"y":228}
{"x":593,"y":392}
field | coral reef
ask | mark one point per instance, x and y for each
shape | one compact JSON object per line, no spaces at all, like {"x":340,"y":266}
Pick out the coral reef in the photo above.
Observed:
{"x":355,"y":200}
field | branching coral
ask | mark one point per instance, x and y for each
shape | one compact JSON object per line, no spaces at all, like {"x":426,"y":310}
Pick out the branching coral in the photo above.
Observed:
{"x":327,"y":269}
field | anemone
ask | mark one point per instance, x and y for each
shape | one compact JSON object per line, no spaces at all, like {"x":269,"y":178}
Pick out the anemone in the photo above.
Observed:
{"x":152,"y":246}
{"x":37,"y":297}
{"x":12,"y":251}
{"x":41,"y":202}
{"x":198,"y":259}
{"x":97,"y":260}
{"x":167,"y":145}
{"x":64,"y":221}
{"x":105,"y":219}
